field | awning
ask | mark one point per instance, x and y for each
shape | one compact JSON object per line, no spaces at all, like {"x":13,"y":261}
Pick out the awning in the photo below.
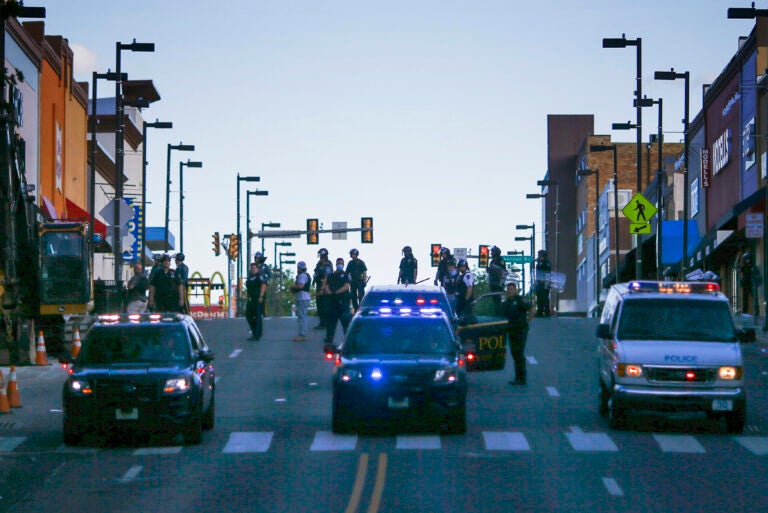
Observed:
{"x":672,"y":241}
{"x":75,"y":212}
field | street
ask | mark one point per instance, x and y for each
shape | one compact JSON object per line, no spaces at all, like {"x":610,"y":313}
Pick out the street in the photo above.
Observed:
{"x":542,"y":447}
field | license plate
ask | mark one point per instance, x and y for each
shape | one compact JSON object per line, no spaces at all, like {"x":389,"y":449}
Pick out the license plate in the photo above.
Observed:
{"x":722,"y":405}
{"x":398,"y":403}
{"x":131,"y":414}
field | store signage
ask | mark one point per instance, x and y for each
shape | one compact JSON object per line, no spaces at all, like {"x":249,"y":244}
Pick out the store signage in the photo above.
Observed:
{"x":721,"y":151}
{"x":706,"y":168}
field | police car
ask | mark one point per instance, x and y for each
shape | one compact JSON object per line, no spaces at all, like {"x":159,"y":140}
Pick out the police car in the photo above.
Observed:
{"x":428,"y":298}
{"x":670,"y":347}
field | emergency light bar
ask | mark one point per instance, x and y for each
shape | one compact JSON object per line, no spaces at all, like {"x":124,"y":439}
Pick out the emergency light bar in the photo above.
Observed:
{"x":674,"y":287}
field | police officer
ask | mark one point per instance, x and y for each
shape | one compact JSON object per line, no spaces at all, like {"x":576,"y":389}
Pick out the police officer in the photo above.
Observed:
{"x":465,"y":289}
{"x":442,"y":266}
{"x":451,"y":282}
{"x":409,"y":267}
{"x":264,"y":269}
{"x":336,"y":287}
{"x":323,"y":269}
{"x":256,"y":286}
{"x":542,"y":284}
{"x":182,"y":275}
{"x":165,"y":291}
{"x":497,"y":275}
{"x":518,"y":312}
{"x":358,"y":275}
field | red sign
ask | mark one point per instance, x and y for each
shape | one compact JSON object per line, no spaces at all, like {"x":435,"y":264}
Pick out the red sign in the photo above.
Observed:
{"x":207,"y":312}
{"x":706,"y":169}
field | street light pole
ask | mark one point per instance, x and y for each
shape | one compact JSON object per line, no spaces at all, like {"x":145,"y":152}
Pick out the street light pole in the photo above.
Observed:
{"x":532,"y":238}
{"x":179,"y":147}
{"x":248,"y":195}
{"x":267,"y":225}
{"x":239,"y":261}
{"x":156,"y":124}
{"x":188,"y":163}
{"x":283,"y":243}
{"x":686,"y":76}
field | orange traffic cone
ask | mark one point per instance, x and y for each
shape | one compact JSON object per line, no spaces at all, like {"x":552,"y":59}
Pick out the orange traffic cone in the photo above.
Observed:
{"x":4,"y":406}
{"x":41,"y":358}
{"x":14,"y":400}
{"x":76,"y":344}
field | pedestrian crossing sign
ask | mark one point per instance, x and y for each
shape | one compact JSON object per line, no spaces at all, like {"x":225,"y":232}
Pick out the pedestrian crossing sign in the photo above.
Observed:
{"x":638,"y":228}
{"x":639,"y":210}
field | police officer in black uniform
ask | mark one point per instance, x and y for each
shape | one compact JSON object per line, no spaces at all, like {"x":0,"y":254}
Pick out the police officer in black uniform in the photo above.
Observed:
{"x":182,"y":275}
{"x":465,"y":290}
{"x":518,"y":312}
{"x":358,"y":275}
{"x":542,"y":284}
{"x":337,"y":286}
{"x":323,"y":269}
{"x":409,"y":267}
{"x":256,"y":286}
{"x":165,"y":291}
{"x":442,"y":266}
{"x":451,"y":282}
{"x":497,"y":275}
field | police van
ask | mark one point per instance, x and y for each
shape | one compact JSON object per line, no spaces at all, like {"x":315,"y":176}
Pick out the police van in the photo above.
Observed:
{"x":670,"y":347}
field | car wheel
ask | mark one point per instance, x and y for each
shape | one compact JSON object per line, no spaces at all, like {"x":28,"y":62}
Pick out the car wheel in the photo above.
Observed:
{"x":209,"y":417}
{"x":73,"y":435}
{"x":456,"y":421}
{"x":341,"y":418}
{"x":616,"y":413}
{"x":193,"y":433}
{"x":735,"y":420}
{"x":603,"y":395}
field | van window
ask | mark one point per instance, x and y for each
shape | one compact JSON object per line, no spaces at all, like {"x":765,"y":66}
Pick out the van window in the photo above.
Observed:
{"x":676,"y":319}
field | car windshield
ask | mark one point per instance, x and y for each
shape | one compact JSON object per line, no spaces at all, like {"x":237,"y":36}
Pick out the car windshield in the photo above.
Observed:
{"x":135,"y":344}
{"x":368,"y":336}
{"x":676,"y":319}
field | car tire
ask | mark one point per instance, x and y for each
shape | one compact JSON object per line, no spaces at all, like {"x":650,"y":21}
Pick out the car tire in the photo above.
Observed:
{"x":736,"y":420}
{"x":341,"y":418}
{"x":193,"y":433}
{"x":456,"y":421}
{"x":72,"y":435}
{"x":209,"y":417}
{"x":603,"y":396}
{"x":617,"y":413}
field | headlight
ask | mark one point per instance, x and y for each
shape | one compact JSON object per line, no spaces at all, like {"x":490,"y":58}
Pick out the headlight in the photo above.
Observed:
{"x":176,"y":385}
{"x":446,"y":375}
{"x":729,"y":373}
{"x":350,"y":374}
{"x":629,"y":370}
{"x":80,"y":387}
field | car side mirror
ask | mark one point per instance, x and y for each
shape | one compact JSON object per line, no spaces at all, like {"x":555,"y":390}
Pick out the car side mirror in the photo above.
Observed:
{"x":603,"y":331}
{"x":746,"y":335}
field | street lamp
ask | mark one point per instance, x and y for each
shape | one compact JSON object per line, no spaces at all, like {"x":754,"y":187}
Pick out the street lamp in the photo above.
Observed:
{"x":672,"y":75}
{"x":188,"y":163}
{"x":648,"y":102}
{"x":596,"y":172}
{"x":281,"y":262}
{"x":248,"y":195}
{"x":623,"y":42}
{"x":522,"y":271}
{"x":283,"y":243}
{"x":156,"y":124}
{"x":612,"y":147}
{"x":239,"y":238}
{"x":117,"y":241}
{"x":267,"y":225}
{"x":532,"y":238}
{"x":179,"y":147}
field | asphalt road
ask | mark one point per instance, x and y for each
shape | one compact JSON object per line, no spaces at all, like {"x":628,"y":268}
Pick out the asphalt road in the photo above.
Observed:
{"x":539,"y":448}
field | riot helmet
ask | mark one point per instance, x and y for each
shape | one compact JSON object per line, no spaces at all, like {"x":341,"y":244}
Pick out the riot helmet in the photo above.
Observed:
{"x":462,"y":263}
{"x":495,"y":251}
{"x":354,"y":252}
{"x":407,"y":250}
{"x":322,"y":253}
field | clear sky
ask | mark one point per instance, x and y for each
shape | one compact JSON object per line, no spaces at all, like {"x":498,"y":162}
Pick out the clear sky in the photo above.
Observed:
{"x":427,"y":115}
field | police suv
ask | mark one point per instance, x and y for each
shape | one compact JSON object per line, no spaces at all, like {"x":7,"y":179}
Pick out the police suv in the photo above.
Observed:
{"x":670,"y":347}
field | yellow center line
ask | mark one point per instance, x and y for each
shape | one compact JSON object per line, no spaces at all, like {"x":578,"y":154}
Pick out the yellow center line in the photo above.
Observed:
{"x":357,"y":489}
{"x":378,"y":488}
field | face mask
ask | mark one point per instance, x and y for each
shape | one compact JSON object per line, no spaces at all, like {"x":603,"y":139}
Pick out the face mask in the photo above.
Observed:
{"x":453,"y":272}
{"x":339,"y":267}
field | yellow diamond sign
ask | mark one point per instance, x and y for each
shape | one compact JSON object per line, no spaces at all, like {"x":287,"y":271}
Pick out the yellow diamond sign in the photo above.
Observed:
{"x":639,"y":210}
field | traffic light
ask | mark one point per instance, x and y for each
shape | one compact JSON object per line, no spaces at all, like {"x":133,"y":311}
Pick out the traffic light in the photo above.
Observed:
{"x":434,"y":253}
{"x":366,"y":236}
{"x":216,"y":244}
{"x":483,"y":260}
{"x":234,"y":246}
{"x":312,"y":236}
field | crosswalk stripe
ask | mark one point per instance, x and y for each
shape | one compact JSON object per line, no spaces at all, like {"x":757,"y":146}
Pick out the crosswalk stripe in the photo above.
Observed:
{"x":756,"y":444}
{"x":430,"y":442}
{"x":10,"y":443}
{"x":505,"y":441}
{"x":552,"y":391}
{"x":593,"y":442}
{"x":248,"y":442}
{"x":679,"y":443}
{"x":327,"y":441}
{"x":531,"y":360}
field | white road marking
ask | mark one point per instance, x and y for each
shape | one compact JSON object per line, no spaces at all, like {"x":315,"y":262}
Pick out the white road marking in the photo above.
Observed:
{"x":431,"y":442}
{"x":327,"y":441}
{"x":157,"y":451}
{"x":531,"y":360}
{"x":593,"y":442}
{"x":552,"y":391}
{"x":131,"y":474}
{"x":249,"y":442}
{"x":756,"y":444}
{"x":679,"y":443}
{"x":613,"y":487}
{"x":505,"y":441}
{"x":235,"y":353}
{"x":10,"y":443}
{"x":217,"y":379}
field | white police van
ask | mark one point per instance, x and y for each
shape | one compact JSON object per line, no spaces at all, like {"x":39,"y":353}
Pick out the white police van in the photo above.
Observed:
{"x":670,"y":347}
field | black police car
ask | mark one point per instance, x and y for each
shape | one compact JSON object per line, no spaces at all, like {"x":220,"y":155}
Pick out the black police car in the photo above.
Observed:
{"x":393,"y":366}
{"x":145,"y":372}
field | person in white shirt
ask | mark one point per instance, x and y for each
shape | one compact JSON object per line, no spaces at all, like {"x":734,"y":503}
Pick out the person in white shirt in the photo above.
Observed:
{"x":300,"y":288}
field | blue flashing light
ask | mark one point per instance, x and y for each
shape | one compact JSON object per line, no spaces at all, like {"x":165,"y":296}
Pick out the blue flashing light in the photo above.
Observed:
{"x":376,"y":374}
